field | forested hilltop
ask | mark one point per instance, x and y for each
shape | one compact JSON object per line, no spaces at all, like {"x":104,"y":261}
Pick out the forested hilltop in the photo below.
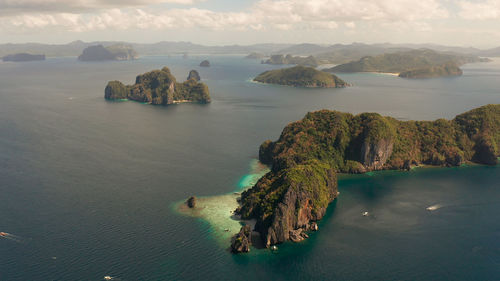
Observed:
{"x":425,"y":62}
{"x":289,"y":200}
{"x":301,"y":76}
{"x":160,"y":87}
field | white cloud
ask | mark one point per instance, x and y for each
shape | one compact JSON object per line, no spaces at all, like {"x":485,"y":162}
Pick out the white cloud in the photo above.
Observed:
{"x":15,"y":7}
{"x":264,"y":14}
{"x":483,"y":10}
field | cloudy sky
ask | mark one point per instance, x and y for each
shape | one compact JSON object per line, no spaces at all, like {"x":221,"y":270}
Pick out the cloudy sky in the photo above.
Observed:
{"x":213,"y":22}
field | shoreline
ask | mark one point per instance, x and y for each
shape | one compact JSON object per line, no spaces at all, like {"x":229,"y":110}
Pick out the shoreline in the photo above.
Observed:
{"x":218,"y":210}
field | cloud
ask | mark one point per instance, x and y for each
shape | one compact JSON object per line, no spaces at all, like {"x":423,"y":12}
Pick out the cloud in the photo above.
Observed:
{"x":91,"y":15}
{"x":482,"y":10}
{"x":15,"y":7}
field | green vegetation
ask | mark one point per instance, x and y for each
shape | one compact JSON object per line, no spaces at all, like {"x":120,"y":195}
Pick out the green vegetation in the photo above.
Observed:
{"x":113,"y":52}
{"x":418,"y":63}
{"x":159,"y":87}
{"x":445,"y":70}
{"x":289,"y":59}
{"x":308,"y":153}
{"x":301,"y":76}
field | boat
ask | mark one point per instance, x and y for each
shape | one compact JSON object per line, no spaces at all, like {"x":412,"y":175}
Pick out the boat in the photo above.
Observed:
{"x":365,"y":214}
{"x":274,"y":248}
{"x":3,"y":234}
{"x":107,"y":277}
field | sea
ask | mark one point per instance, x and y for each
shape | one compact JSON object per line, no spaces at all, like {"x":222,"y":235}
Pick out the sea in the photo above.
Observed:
{"x":91,"y":188}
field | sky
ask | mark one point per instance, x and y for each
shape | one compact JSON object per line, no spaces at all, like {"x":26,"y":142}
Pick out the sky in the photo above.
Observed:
{"x":225,"y":22}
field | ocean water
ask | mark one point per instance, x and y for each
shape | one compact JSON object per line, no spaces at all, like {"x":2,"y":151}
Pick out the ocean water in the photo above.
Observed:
{"x":88,"y":187}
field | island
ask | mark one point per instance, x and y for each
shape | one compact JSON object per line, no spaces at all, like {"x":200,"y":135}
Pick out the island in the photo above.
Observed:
{"x":205,"y":63}
{"x":301,"y":76}
{"x":422,"y":63}
{"x":434,"y":71}
{"x":158,"y":87}
{"x":255,"y":55}
{"x":22,"y":57}
{"x":113,"y":52}
{"x":289,"y":59}
{"x":193,"y":74}
{"x":287,"y":202}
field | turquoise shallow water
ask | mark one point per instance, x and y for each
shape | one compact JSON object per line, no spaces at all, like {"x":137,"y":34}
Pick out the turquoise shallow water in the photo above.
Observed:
{"x":88,"y":185}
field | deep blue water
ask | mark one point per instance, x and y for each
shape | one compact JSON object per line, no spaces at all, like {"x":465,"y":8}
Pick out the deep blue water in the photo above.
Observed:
{"x":87,"y":185}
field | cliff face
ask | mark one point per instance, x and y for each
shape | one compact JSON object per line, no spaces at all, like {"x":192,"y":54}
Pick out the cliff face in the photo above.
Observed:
{"x":288,"y":201}
{"x":159,"y":87}
{"x":304,"y":202}
{"x":374,"y":155}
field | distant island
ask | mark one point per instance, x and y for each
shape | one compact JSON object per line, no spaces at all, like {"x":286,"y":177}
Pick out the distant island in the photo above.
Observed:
{"x":21,"y":57}
{"x":255,"y":55}
{"x":423,"y":63}
{"x":434,"y":71}
{"x":289,"y":59}
{"x":301,"y":76}
{"x":193,"y":74}
{"x":288,"y":201}
{"x":205,"y":63}
{"x":113,"y":52}
{"x":159,"y":87}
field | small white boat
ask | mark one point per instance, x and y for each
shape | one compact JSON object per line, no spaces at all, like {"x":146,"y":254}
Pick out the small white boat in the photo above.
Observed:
{"x":365,"y":214}
{"x":107,"y":277}
{"x":274,"y":248}
{"x":433,"y":207}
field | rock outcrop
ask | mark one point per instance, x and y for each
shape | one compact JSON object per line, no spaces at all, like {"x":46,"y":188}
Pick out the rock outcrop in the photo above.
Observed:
{"x":242,"y":241}
{"x":193,"y":74}
{"x":159,"y":87}
{"x":205,"y":63}
{"x":191,"y":202}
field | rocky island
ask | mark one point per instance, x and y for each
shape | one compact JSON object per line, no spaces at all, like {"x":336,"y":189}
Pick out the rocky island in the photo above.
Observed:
{"x":113,"y":52}
{"x":289,"y":200}
{"x":205,"y":63}
{"x":301,"y":76}
{"x":423,"y":63}
{"x":193,"y":74}
{"x":21,"y":57}
{"x":289,"y":59}
{"x":159,"y":87}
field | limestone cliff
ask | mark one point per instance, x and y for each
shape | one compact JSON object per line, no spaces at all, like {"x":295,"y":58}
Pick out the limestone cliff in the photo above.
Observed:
{"x":288,"y":200}
{"x":158,"y":87}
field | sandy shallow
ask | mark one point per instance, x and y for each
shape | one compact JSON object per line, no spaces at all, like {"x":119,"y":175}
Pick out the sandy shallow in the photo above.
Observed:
{"x":218,"y":210}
